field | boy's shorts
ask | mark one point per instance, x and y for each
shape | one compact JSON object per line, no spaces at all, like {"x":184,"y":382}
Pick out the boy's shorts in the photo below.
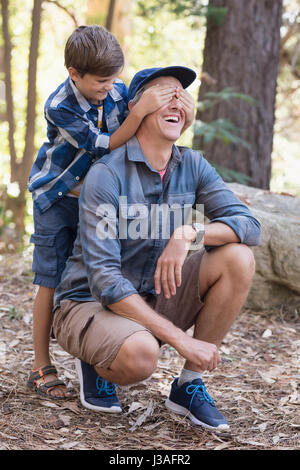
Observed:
{"x":95,"y":334}
{"x":54,"y":235}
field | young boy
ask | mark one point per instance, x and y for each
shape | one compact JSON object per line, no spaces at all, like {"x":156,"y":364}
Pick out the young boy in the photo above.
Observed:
{"x":86,"y":118}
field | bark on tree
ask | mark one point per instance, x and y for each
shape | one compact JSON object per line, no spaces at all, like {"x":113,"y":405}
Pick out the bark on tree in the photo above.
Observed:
{"x":31,"y":94}
{"x":243,"y":53}
{"x":110,"y":14}
{"x":20,"y":169}
{"x":8,"y":88}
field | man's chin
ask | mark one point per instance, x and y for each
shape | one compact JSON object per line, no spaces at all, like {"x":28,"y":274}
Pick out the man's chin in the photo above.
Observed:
{"x":173,"y":136}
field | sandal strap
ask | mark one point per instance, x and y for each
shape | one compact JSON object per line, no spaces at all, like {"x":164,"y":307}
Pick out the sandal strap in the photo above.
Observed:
{"x":52,"y":384}
{"x":40,"y":373}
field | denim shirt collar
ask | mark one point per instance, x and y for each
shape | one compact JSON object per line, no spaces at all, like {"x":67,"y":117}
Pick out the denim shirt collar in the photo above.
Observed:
{"x":135,"y":154}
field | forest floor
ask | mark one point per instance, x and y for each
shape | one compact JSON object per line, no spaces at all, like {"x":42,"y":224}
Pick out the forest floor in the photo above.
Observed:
{"x":255,"y":387}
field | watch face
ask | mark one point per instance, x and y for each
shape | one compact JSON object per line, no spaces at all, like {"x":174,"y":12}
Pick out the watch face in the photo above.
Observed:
{"x":198,"y":227}
{"x":200,"y":232}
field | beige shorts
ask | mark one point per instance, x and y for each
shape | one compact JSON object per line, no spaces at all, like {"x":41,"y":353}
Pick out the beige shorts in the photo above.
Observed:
{"x":95,"y":334}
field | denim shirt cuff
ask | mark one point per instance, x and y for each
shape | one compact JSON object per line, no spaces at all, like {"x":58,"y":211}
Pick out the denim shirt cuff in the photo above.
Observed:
{"x":117,"y":293}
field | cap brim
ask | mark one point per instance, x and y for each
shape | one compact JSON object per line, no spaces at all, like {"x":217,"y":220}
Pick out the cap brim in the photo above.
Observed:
{"x":185,"y":75}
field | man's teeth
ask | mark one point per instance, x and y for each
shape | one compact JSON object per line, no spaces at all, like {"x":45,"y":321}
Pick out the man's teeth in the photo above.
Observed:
{"x":172,"y":118}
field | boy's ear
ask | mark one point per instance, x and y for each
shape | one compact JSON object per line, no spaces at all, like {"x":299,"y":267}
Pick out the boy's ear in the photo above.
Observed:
{"x":73,"y":74}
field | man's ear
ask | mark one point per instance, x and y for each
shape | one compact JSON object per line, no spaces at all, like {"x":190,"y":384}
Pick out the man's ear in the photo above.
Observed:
{"x":130,"y":105}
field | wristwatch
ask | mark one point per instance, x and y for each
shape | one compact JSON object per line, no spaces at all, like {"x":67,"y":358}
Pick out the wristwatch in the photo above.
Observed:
{"x":200,"y":231}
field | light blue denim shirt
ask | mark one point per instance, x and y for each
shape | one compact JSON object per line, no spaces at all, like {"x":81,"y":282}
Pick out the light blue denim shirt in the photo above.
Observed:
{"x":123,"y":229}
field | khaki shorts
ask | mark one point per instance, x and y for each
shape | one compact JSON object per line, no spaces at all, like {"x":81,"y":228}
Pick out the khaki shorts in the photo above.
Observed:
{"x":95,"y":334}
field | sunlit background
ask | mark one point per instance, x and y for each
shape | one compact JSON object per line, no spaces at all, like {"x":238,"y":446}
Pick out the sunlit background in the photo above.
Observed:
{"x":160,"y":39}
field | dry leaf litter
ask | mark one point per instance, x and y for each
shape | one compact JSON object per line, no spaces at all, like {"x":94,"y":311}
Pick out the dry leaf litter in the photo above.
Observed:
{"x":256,"y":387}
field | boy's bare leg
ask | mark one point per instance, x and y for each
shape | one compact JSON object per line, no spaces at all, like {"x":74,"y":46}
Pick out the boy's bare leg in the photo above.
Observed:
{"x":225,"y":278}
{"x":42,"y":322}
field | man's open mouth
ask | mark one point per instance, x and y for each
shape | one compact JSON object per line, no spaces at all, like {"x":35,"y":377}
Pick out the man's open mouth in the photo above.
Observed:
{"x":172,"y":118}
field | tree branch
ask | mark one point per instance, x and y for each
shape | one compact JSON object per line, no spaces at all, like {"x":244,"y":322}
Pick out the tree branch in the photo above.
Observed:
{"x":71,"y":15}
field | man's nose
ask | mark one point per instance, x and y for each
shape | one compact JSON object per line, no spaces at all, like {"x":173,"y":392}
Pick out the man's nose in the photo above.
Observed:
{"x":175,"y":103}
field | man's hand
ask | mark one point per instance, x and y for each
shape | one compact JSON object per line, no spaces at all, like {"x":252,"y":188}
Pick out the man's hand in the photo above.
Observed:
{"x":188,"y":106}
{"x":168,"y":269}
{"x":203,"y":355}
{"x":154,"y":98}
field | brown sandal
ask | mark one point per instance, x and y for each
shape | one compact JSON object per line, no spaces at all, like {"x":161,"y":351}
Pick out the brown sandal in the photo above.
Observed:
{"x":43,"y":388}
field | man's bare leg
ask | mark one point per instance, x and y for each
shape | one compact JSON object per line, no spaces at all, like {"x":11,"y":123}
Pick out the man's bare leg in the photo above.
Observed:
{"x":224,"y":280}
{"x":135,"y":361}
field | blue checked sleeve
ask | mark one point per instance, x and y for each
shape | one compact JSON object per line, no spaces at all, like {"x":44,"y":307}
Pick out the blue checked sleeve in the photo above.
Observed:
{"x":79,"y":131}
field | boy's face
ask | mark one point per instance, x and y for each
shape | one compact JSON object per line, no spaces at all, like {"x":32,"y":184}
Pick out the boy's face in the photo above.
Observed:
{"x":93,"y":87}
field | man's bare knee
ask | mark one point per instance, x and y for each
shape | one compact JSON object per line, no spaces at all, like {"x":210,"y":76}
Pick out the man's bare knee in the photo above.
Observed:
{"x":240,"y":262}
{"x":137,"y":358}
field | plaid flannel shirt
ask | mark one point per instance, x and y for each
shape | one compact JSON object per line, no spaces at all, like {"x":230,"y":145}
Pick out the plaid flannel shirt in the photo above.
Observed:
{"x":74,"y":141}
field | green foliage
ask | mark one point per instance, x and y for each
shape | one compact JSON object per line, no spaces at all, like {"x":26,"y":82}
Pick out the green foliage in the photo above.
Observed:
{"x":223,"y":130}
{"x":211,"y":98}
{"x":163,"y":40}
{"x":230,"y":175}
{"x":13,"y":314}
{"x":220,"y":129}
{"x":183,"y":8}
{"x":6,"y":216}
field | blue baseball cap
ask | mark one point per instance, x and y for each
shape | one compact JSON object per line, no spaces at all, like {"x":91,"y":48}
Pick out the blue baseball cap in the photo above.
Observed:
{"x":185,"y":75}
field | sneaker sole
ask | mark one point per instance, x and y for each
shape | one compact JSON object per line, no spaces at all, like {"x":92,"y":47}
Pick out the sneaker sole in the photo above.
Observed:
{"x":112,"y":409}
{"x":178,"y":409}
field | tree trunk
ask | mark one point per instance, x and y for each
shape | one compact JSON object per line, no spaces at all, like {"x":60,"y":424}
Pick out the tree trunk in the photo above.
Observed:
{"x":29,"y":149}
{"x":20,"y":169}
{"x":8,"y":89}
{"x":243,"y":53}
{"x":110,"y":14}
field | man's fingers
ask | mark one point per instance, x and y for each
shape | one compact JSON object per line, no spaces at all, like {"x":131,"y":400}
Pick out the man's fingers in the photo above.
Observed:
{"x":157,"y":274}
{"x":178,"y":268}
{"x":186,"y":98}
{"x":164,"y":281}
{"x":171,"y":279}
{"x":161,"y":91}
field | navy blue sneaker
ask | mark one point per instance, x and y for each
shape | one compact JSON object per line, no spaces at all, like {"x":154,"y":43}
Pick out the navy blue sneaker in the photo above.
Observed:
{"x":96,"y":393}
{"x":192,"y":400}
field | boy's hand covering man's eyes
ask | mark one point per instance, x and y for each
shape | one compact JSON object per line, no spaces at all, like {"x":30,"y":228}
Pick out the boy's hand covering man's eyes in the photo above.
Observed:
{"x":154,"y":98}
{"x":188,"y":106}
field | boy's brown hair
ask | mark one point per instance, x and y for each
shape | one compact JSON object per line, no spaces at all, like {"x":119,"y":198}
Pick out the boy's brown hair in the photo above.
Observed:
{"x":92,"y":49}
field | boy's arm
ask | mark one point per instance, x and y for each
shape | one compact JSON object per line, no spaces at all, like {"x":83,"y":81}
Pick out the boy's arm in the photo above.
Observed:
{"x":82,"y":134}
{"x":151,"y":100}
{"x":78,"y":131}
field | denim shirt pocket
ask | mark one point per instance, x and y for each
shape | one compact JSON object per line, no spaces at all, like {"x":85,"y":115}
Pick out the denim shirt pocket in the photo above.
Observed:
{"x":181,"y":206}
